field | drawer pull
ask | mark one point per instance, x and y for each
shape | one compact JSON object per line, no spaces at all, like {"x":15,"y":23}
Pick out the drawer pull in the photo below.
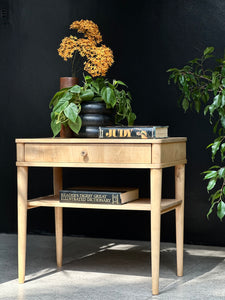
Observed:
{"x":84,"y":153}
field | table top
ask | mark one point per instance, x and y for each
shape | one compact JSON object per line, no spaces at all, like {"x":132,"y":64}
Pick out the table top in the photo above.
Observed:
{"x":99,"y":141}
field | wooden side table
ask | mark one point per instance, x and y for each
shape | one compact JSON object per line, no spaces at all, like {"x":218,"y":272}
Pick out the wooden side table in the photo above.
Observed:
{"x":153,"y":154}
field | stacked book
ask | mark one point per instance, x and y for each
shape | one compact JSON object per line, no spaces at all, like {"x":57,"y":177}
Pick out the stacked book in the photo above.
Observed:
{"x":133,"y":132}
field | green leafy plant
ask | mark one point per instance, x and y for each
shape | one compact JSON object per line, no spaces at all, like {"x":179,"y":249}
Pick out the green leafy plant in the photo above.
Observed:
{"x":202,"y":86}
{"x":66,"y":103}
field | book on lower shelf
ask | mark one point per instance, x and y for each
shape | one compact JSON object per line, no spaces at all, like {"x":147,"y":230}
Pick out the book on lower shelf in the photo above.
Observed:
{"x":96,"y":195}
{"x":133,"y":132}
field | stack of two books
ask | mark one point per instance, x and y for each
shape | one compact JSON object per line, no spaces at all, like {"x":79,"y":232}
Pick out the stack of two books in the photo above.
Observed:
{"x":96,"y":195}
{"x":133,"y":132}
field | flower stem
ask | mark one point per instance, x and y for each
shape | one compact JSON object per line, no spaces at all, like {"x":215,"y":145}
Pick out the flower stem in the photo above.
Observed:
{"x":73,"y":61}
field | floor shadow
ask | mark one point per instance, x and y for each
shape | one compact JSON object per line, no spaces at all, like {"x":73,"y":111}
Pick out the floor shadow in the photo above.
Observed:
{"x":100,"y":256}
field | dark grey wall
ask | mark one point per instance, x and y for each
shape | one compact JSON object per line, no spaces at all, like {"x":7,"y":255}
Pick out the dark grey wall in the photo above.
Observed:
{"x":147,"y":38}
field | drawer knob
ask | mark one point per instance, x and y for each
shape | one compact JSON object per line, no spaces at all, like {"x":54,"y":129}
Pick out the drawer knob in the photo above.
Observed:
{"x":83,"y":153}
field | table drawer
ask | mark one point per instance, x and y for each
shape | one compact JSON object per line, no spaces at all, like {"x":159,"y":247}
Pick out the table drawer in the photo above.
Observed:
{"x":95,"y":153}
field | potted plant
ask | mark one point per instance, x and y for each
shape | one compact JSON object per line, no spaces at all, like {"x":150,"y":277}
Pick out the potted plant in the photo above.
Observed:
{"x":97,"y":58}
{"x":67,"y":103}
{"x":202,"y":86}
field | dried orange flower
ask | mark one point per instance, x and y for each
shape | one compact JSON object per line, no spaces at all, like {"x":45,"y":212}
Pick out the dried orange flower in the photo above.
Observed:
{"x":98,"y":57}
{"x":88,"y":28}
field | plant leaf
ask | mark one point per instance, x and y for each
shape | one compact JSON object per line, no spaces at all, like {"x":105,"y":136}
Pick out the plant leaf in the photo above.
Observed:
{"x":223,"y":82}
{"x":53,"y":115}
{"x":214,"y":167}
{"x":56,"y":97}
{"x":206,"y":109}
{"x":109,"y":96}
{"x":211,"y":184}
{"x":222,"y":150}
{"x":121,"y":82}
{"x":131,"y":117}
{"x":197,"y":106}
{"x":75,"y":89}
{"x":75,"y":126}
{"x":222,"y":121}
{"x":88,"y":78}
{"x":208,"y":50}
{"x":215,"y":148}
{"x":221,"y":172}
{"x":221,"y":210}
{"x":61,"y":105}
{"x":185,"y":104}
{"x":71,"y":112}
{"x":55,"y":127}
{"x":210,"y":210}
{"x":87,"y":95}
{"x":68,"y":96}
{"x":211,"y":174}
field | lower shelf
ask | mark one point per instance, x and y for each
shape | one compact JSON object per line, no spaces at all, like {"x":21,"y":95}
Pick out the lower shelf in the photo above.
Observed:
{"x":143,"y":204}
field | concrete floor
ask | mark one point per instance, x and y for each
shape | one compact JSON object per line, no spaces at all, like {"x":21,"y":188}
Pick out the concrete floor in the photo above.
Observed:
{"x":101,"y":269}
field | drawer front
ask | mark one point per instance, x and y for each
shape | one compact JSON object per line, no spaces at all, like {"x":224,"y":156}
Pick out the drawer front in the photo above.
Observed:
{"x":95,"y":153}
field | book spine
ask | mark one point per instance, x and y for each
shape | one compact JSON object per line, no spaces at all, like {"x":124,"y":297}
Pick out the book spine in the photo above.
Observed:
{"x":90,"y":197}
{"x":130,"y":133}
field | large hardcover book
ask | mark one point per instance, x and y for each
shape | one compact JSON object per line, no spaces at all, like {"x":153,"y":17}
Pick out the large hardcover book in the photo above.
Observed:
{"x":133,"y":132}
{"x":98,"y":195}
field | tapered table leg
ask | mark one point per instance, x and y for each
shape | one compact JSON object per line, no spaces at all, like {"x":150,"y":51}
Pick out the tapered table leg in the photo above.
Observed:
{"x":22,"y":183}
{"x":179,"y":194}
{"x":57,"y":183}
{"x":156,"y":193}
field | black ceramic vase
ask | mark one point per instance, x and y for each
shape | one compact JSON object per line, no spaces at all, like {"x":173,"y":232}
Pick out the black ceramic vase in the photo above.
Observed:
{"x":93,"y":115}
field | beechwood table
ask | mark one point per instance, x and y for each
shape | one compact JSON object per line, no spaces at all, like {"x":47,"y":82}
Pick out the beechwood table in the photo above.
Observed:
{"x":152,"y":154}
